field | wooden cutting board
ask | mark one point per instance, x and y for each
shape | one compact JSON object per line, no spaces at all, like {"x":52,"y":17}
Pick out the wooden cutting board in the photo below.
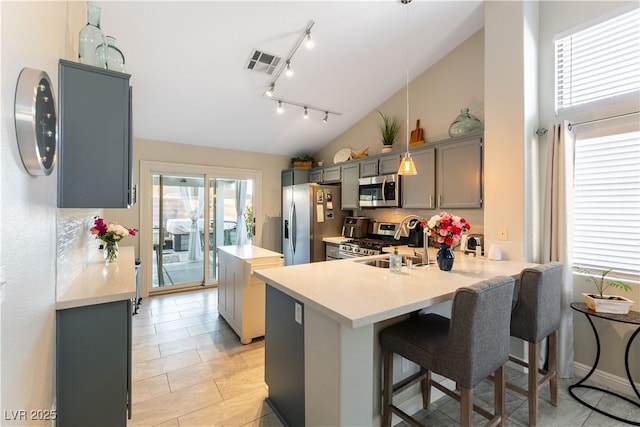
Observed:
{"x":416,"y":134}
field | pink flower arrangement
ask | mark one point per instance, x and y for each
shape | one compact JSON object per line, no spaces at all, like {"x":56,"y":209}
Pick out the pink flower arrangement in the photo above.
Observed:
{"x":446,"y":228}
{"x":112,"y":232}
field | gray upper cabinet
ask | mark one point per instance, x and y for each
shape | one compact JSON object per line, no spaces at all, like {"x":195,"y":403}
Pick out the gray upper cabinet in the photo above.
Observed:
{"x":95,"y":154}
{"x":349,"y":189}
{"x":294,"y":176}
{"x":418,"y":191}
{"x":331,"y":175}
{"x":315,"y":175}
{"x":389,"y":164}
{"x":383,"y":165}
{"x":325,"y":175}
{"x":368,"y":168}
{"x":460,"y":174}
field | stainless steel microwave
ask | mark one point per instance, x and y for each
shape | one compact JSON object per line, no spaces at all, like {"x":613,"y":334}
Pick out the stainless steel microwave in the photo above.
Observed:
{"x":379,"y":191}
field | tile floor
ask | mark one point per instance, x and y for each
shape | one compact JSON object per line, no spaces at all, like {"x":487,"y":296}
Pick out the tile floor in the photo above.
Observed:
{"x":190,"y":369}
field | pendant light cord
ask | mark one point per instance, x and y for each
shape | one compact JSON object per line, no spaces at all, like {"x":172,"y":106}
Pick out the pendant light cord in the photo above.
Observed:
{"x":407,"y":71}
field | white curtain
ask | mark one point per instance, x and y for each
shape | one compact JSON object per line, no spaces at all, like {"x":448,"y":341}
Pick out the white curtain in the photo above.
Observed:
{"x":555,"y":242}
{"x":241,"y":204}
{"x":193,"y":201}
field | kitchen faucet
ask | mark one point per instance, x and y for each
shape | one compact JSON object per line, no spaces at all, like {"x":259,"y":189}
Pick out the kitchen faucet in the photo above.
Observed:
{"x":403,"y":229}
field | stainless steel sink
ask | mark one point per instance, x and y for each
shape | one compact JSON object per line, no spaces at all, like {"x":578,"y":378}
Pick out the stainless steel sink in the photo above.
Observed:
{"x":384,"y":262}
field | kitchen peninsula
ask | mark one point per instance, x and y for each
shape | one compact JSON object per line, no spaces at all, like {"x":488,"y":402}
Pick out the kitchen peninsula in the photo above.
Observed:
{"x":322,"y":360}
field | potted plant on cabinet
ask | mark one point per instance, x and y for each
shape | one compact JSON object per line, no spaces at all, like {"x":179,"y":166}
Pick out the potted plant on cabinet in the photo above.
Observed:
{"x":388,"y":131}
{"x":302,"y":162}
{"x":601,"y":302}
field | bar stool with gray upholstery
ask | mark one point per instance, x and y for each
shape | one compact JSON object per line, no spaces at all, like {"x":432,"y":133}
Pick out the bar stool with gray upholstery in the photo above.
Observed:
{"x":465,"y":349}
{"x":536,"y":316}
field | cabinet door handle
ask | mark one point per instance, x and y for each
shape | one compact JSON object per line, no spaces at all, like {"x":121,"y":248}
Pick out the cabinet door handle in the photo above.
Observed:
{"x":431,"y":201}
{"x":439,"y":199}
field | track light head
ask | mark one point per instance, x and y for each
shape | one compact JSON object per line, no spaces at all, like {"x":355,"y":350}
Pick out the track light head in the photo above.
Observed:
{"x":272,"y":88}
{"x":325,"y":117}
{"x":308,"y":40}
{"x":306,"y":113}
{"x":280,"y":109}
{"x":289,"y":70}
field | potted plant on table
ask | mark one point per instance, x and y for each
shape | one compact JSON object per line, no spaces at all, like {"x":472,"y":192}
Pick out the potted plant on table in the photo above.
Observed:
{"x":388,"y":131}
{"x":599,"y":301}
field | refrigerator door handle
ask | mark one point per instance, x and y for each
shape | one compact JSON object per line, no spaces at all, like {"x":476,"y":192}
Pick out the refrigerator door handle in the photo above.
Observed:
{"x":294,"y":228}
{"x":286,"y":228}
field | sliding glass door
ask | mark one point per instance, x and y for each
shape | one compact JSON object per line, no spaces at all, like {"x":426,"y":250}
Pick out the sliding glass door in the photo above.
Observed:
{"x":189,"y":216}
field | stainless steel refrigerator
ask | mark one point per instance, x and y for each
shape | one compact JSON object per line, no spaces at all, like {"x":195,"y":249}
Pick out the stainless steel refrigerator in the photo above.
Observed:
{"x":310,"y":212}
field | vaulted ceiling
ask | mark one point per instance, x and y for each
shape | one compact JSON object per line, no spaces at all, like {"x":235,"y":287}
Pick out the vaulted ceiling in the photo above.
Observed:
{"x":188,"y":62}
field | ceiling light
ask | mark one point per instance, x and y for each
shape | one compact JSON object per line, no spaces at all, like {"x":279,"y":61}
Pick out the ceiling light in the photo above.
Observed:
{"x":271,"y":89}
{"x":407,"y":167}
{"x":306,"y":108}
{"x":309,"y":41}
{"x":289,"y":71}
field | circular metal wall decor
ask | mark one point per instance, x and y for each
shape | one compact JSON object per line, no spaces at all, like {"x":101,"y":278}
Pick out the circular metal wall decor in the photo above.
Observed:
{"x":36,"y":124}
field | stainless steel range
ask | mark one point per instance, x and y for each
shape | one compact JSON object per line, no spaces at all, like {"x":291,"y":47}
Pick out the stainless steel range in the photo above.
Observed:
{"x":381,"y":237}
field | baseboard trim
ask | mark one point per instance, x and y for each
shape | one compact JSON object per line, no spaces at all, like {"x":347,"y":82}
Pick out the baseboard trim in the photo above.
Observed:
{"x":604,"y":379}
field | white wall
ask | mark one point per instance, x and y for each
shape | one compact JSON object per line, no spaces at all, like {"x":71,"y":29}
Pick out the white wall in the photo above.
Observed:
{"x":34,"y":34}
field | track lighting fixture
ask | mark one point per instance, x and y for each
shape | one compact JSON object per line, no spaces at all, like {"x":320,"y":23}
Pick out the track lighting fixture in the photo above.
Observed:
{"x":286,"y":65}
{"x":407,"y":167}
{"x":305,"y":108}
{"x":271,"y":89}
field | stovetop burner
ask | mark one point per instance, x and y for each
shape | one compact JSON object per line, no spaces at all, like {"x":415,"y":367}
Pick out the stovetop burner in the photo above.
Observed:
{"x":371,"y":243}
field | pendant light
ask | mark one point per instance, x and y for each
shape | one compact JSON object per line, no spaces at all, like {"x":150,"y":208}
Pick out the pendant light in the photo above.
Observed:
{"x":407,"y":167}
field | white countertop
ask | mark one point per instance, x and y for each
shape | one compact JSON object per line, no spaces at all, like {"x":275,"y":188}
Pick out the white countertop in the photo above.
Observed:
{"x":245,"y":252}
{"x":335,"y":240}
{"x":100,"y":283}
{"x":358,"y":295}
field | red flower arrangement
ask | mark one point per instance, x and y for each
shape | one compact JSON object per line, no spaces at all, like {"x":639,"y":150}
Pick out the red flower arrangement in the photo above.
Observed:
{"x":446,"y":228}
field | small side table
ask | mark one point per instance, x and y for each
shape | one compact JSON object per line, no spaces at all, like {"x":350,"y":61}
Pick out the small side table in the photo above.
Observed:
{"x":633,"y":318}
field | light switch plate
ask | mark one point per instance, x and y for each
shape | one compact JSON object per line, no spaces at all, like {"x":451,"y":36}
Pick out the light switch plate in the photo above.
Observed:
{"x":298,"y":312}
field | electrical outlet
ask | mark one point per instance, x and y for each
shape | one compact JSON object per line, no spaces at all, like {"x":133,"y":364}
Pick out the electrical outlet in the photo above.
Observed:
{"x":502,"y":233}
{"x":404,"y":365}
{"x":298,"y":313}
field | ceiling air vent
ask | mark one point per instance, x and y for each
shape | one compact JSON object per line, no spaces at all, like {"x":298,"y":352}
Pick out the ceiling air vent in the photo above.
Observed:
{"x":263,"y":62}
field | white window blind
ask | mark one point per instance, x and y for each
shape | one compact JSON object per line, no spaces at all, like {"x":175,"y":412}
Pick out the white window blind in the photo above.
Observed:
{"x":606,"y":216}
{"x":599,"y":62}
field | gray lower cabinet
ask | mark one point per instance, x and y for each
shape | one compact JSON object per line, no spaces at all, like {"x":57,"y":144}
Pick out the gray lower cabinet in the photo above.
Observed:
{"x":95,"y":155}
{"x":418,"y":191}
{"x":284,"y":356}
{"x":93,"y":365}
{"x":349,"y":188}
{"x":460,"y":174}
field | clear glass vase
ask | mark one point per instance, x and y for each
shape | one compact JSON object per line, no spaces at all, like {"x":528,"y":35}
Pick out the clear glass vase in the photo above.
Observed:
{"x":90,"y":38}
{"x":465,"y":123}
{"x":112,"y":56}
{"x":110,"y":252}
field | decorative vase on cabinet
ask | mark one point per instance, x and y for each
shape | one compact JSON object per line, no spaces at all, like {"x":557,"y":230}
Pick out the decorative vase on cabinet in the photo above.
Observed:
{"x":110,"y":252}
{"x":90,"y":38}
{"x":111,"y":56}
{"x":445,"y":257}
{"x":465,"y":123}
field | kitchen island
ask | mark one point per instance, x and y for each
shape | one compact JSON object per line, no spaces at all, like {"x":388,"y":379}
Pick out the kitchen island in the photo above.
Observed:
{"x":322,"y":362}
